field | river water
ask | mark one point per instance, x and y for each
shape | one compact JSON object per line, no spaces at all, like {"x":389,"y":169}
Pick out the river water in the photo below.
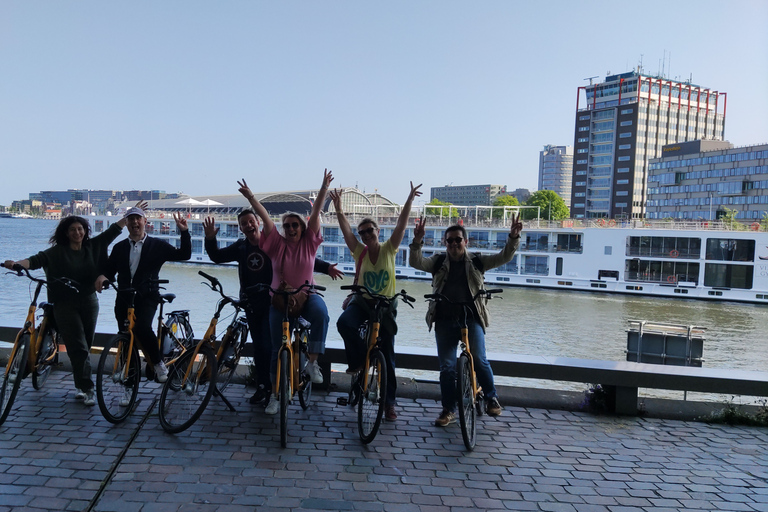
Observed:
{"x":526,"y":321}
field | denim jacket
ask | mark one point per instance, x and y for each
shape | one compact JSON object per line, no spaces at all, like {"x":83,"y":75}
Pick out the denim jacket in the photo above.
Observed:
{"x":474,"y":276}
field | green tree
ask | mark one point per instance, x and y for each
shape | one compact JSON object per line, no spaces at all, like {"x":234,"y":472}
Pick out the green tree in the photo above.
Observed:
{"x":436,"y":211}
{"x":504,"y":201}
{"x":729,"y":218}
{"x":551,"y":205}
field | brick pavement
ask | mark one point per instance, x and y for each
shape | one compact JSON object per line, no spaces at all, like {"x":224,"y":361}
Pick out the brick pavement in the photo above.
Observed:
{"x":56,"y":454}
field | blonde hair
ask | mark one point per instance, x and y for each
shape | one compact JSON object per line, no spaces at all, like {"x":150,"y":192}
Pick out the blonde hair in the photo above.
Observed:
{"x":298,"y":216}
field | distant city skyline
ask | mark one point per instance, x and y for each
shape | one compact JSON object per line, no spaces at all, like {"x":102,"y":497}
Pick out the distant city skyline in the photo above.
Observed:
{"x":191,"y":96}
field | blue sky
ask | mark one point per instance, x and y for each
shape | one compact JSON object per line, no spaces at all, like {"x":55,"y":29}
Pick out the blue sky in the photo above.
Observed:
{"x":189,"y":96}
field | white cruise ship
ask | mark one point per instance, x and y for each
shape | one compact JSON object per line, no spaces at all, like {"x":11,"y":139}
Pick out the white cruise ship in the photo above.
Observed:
{"x":696,"y":260}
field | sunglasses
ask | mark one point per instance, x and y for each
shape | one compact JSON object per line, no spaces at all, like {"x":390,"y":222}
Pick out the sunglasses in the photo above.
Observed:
{"x":454,"y":240}
{"x":291,"y":225}
{"x":364,"y":232}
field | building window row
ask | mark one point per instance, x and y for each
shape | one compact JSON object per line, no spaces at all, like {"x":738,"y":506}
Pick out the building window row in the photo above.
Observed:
{"x":714,"y":159}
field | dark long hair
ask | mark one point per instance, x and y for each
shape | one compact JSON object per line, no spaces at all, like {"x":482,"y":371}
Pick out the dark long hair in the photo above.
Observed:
{"x":59,"y":237}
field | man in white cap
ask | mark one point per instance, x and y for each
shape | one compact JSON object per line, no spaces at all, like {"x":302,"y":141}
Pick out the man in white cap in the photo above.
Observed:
{"x":137,"y":261}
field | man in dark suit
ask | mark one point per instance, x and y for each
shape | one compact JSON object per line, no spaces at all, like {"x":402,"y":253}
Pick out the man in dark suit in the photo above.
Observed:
{"x":137,"y":261}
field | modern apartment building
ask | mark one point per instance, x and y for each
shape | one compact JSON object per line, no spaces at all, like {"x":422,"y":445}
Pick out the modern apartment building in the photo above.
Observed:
{"x":468,"y":195}
{"x":556,"y":170}
{"x":699,"y":179}
{"x":623,"y":122}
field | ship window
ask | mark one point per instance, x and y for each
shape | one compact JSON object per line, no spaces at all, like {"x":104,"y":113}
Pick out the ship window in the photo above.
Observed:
{"x":569,"y":242}
{"x":726,"y":249}
{"x":536,"y":265}
{"x":559,"y":266}
{"x":665,"y":272}
{"x":664,"y":247}
{"x":728,"y":276}
{"x":535,"y":241}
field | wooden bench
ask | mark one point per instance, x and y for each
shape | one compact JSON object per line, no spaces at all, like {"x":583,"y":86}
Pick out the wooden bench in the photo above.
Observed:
{"x":621,"y":377}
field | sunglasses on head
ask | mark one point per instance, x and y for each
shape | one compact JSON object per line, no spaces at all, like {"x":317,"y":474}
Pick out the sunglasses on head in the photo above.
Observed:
{"x":454,"y":240}
{"x":291,"y":225}
{"x":363,"y":232}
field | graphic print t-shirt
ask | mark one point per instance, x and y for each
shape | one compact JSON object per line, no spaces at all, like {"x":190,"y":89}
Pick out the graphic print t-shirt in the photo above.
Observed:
{"x":379,"y":278}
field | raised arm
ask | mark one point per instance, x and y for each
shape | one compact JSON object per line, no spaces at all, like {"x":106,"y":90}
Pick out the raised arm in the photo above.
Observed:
{"x":314,"y":217}
{"x":346,"y":229}
{"x":402,"y":220}
{"x":140,"y":204}
{"x":257,"y":207}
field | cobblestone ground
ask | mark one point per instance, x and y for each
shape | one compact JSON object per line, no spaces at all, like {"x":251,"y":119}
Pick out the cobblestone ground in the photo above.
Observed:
{"x":56,"y":454}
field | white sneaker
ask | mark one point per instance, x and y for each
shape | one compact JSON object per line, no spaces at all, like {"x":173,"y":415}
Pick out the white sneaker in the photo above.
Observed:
{"x":161,"y":372}
{"x":273,"y":406}
{"x":315,"y":375}
{"x":125,"y":401}
{"x":12,"y":378}
{"x":79,"y":394}
{"x":90,"y":398}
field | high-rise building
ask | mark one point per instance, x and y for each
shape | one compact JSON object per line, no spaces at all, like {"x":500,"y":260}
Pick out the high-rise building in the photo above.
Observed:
{"x":468,"y":195}
{"x":556,"y":171}
{"x":624,"y":122}
{"x":699,"y":179}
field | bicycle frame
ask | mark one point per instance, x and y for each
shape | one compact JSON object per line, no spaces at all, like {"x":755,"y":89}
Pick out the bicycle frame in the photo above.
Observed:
{"x":476,"y":390}
{"x":35,"y":333}
{"x":375,"y":321}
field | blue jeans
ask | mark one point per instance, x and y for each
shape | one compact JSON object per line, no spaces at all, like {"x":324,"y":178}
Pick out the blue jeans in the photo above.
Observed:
{"x":316,"y":313}
{"x":356,"y":348}
{"x":447,"y":335}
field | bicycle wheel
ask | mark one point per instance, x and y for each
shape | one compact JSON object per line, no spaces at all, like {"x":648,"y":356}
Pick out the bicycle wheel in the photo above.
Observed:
{"x":183,"y":399}
{"x":232,"y":345}
{"x":116,"y":389}
{"x":370,"y":408}
{"x":46,"y":357}
{"x":466,"y":398}
{"x":14,"y":374}
{"x":285,"y":395}
{"x":305,"y":382}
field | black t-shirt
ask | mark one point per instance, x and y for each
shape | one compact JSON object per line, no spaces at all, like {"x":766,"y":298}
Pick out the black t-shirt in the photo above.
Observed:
{"x":456,"y":288}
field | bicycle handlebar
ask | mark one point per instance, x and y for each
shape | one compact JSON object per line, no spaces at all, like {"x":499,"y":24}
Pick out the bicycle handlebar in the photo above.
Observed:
{"x":487,"y":293}
{"x":312,"y":288}
{"x":21,"y":271}
{"x":360,"y":290}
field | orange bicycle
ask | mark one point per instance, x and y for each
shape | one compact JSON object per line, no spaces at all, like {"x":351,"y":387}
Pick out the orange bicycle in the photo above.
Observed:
{"x":368,"y":389}
{"x":206,"y":370}
{"x":35,"y":349}
{"x":118,"y":373}
{"x":468,"y":393}
{"x":292,"y":358}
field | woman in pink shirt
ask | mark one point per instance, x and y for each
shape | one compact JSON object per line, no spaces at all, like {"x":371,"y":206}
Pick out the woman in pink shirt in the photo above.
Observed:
{"x":293,"y":259}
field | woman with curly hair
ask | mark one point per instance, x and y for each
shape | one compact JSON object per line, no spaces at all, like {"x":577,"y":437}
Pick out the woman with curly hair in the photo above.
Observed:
{"x":76,"y":257}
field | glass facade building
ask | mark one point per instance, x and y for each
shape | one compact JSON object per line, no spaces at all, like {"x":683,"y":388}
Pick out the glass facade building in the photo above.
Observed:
{"x":698,"y":180}
{"x":621,"y":124}
{"x":556,"y":171}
